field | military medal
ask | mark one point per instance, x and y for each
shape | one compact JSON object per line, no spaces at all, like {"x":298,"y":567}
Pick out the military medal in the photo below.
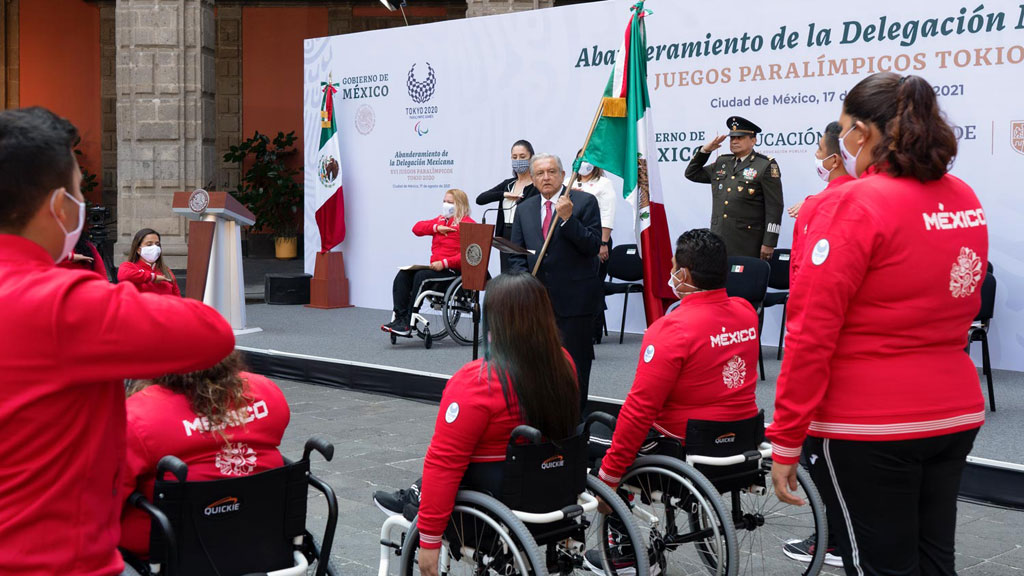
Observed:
{"x":749,"y":173}
{"x":719,"y":187}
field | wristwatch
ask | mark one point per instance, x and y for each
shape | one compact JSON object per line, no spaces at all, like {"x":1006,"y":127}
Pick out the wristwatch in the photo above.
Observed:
{"x":608,"y":243}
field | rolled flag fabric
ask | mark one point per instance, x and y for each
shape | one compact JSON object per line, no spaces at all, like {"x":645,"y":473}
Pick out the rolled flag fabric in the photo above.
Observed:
{"x":330,"y":200}
{"x":620,"y":143}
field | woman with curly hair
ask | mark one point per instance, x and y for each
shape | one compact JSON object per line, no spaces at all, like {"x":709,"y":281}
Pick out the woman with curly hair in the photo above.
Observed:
{"x":222,"y":422}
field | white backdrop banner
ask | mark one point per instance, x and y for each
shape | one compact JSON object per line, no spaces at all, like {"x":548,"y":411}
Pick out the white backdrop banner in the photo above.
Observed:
{"x":427,"y":108}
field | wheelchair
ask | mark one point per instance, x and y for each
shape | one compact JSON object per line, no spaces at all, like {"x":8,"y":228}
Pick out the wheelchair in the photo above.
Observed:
{"x":710,"y":508}
{"x":543,"y":520}
{"x":246,"y":525}
{"x":455,"y":304}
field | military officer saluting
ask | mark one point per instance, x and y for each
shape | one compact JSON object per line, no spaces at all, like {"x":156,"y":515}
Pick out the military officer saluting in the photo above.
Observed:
{"x":746,"y":191}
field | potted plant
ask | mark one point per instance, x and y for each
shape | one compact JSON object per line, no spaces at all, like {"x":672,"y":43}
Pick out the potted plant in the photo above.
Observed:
{"x":269,"y":187}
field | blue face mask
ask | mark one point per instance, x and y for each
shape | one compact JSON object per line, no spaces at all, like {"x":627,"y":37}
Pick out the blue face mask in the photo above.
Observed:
{"x":520,"y":165}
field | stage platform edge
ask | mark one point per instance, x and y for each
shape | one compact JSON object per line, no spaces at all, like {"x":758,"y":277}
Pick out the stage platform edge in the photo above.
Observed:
{"x":984,"y":481}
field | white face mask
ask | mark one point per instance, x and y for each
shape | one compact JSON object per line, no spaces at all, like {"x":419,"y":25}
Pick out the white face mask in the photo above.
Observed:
{"x":586,"y":168}
{"x":150,"y":253}
{"x":849,"y":160}
{"x":447,"y":209}
{"x":820,"y":165}
{"x":70,"y":238}
{"x":677,"y":283}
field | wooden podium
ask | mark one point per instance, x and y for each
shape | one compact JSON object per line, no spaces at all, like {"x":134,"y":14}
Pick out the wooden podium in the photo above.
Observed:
{"x":215,"y":250}
{"x":329,"y":286}
{"x":475,"y":249}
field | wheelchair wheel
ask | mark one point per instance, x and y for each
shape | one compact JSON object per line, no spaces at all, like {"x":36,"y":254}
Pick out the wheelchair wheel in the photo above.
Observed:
{"x":483,"y":537}
{"x":682,"y":517}
{"x":457,"y":313}
{"x":428,"y":340}
{"x":613,"y":539}
{"x":764,"y":525}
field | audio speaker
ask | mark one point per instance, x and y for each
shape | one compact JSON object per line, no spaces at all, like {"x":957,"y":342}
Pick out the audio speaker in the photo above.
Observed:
{"x":286,"y":289}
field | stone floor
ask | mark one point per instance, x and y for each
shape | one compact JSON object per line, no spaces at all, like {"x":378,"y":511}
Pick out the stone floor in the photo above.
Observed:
{"x":380,"y":442}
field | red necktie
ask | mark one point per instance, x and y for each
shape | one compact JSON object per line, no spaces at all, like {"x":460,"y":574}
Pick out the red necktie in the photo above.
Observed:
{"x":547,"y":217}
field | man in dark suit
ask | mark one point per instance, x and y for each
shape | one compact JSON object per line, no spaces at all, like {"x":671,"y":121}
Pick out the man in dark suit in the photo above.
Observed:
{"x":569,"y":267}
{"x":746,"y":191}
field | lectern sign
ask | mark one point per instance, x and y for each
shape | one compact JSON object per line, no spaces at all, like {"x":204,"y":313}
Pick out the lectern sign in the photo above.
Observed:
{"x":198,"y":200}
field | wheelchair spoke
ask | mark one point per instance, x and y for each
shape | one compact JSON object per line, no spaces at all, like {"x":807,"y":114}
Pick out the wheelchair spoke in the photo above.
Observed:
{"x":765,"y":525}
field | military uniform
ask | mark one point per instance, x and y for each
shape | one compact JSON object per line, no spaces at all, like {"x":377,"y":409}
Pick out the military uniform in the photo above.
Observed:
{"x":746,"y":208}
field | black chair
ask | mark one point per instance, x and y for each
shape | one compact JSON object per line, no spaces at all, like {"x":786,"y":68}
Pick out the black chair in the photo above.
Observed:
{"x":748,"y":279}
{"x":624,"y":264}
{"x":778,"y":281}
{"x":249,"y":524}
{"x":978,"y":332}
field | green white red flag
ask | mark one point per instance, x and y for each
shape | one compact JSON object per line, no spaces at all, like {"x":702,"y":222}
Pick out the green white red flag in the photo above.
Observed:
{"x":621,"y":144}
{"x":330,"y":200}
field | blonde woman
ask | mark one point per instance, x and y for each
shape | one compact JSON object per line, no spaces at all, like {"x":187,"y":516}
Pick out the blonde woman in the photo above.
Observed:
{"x":444,"y":257}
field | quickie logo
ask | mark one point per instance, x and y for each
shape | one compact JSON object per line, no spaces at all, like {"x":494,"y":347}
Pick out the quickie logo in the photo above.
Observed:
{"x":420,"y":130}
{"x":554,"y":462}
{"x":726,"y":438}
{"x":223,"y":506}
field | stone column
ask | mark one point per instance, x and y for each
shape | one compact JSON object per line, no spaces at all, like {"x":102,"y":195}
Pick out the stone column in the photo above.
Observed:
{"x":108,"y":104}
{"x":9,"y":54}
{"x":229,"y":90}
{"x":165,"y":115}
{"x":488,"y":7}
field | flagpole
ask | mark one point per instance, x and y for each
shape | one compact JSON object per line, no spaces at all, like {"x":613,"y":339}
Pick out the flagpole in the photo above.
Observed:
{"x":572,"y":180}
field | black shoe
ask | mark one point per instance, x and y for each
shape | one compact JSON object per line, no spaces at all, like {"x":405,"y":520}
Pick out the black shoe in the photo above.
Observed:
{"x":395,"y":503}
{"x":397,"y":327}
{"x":803,"y":550}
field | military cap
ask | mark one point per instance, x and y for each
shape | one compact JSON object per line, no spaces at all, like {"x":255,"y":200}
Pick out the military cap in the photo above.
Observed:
{"x":739,"y":126}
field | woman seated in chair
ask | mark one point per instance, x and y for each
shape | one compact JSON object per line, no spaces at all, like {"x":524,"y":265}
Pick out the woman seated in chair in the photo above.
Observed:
{"x":145,"y":266}
{"x":525,"y":377}
{"x":445,"y":258}
{"x":222,"y":422}
{"x":698,"y":362}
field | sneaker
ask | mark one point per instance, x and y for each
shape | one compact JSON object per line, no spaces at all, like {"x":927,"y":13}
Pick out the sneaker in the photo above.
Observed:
{"x":623,"y":565}
{"x":397,"y":328}
{"x":803,"y":550}
{"x":395,"y":503}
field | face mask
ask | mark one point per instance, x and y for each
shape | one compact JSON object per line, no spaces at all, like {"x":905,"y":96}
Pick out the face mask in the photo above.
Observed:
{"x":520,"y":165}
{"x":820,"y":165}
{"x":70,"y":238}
{"x":447,"y":209}
{"x":849,"y":160}
{"x":150,"y":253}
{"x":674,"y":285}
{"x":586,"y":168}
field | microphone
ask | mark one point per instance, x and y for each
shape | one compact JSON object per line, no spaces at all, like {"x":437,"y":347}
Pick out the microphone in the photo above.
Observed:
{"x":483,"y":217}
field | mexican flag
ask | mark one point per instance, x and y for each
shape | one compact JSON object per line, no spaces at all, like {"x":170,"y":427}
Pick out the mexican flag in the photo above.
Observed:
{"x":330,"y":202}
{"x":620,"y":143}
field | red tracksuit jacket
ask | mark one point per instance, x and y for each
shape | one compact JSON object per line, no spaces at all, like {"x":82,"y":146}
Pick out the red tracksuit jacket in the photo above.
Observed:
{"x":443,"y":248}
{"x":160,"y":422}
{"x":69,"y":339}
{"x":803,"y":219}
{"x":473,"y":425}
{"x":889,"y":284}
{"x":699,"y":362}
{"x":143,"y":275}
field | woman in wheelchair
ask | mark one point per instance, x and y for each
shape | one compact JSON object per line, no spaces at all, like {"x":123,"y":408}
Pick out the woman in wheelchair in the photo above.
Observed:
{"x":525,"y":377}
{"x":222,"y":422}
{"x":445,"y":258}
